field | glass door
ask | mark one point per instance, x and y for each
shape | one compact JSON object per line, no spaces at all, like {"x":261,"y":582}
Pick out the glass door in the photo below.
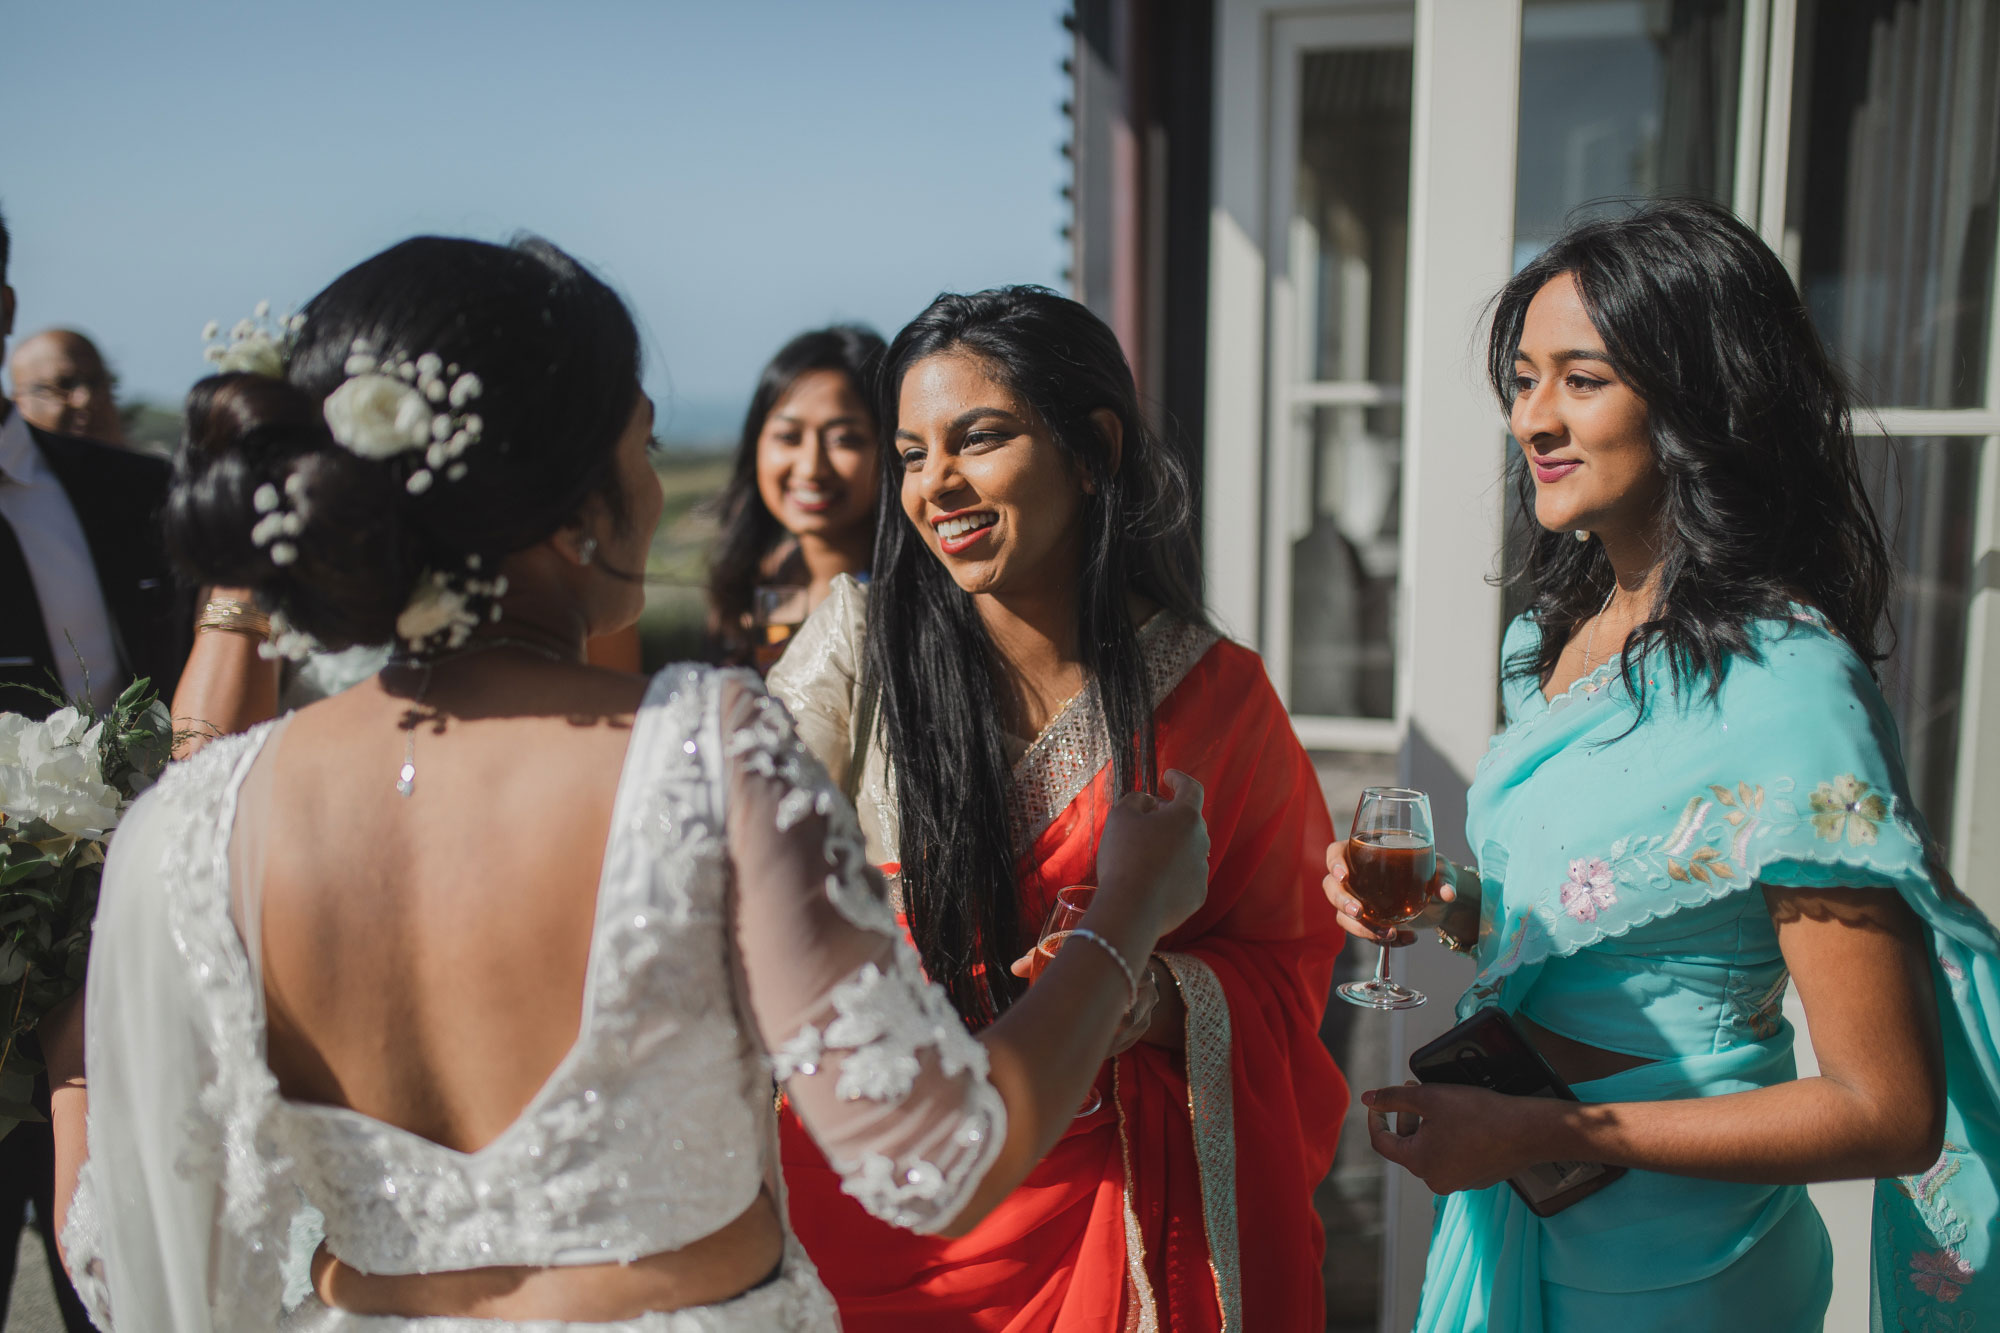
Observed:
{"x":1889,"y":147}
{"x":1340,"y":218}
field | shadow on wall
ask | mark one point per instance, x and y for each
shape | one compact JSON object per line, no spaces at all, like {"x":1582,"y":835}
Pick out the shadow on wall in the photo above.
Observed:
{"x":1425,"y":767}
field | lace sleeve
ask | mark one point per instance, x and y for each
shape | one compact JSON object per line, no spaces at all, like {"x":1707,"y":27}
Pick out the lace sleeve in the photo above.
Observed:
{"x":83,"y":1250}
{"x":877,"y":1062}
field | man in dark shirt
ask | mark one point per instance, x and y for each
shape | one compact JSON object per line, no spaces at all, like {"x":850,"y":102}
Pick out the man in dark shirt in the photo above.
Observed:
{"x":86,"y":602}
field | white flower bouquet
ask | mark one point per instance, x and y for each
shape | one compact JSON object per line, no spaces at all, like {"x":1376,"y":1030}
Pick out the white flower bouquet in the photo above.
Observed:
{"x":64,"y":783}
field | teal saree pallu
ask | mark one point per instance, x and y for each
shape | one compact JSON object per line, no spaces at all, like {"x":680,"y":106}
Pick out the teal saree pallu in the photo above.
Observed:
{"x":1619,"y":858}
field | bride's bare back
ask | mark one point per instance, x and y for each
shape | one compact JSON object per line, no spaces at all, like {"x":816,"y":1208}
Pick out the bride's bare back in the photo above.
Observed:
{"x":424,"y":957}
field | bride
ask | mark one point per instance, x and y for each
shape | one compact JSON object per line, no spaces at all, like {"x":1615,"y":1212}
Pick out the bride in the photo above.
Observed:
{"x":493,"y":959}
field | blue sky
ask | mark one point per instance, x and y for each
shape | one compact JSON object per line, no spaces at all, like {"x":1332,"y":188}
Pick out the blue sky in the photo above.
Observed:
{"x":739,"y":169}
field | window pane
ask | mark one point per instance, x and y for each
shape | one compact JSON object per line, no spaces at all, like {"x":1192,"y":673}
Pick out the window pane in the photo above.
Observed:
{"x":1344,"y":568}
{"x":1925,"y":491}
{"x":1623,"y":99}
{"x":1895,"y":158}
{"x":1350,"y":221}
{"x":1349,"y":234}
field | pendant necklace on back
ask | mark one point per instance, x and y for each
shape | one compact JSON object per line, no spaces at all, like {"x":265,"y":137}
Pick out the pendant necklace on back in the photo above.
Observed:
{"x":406,"y":776}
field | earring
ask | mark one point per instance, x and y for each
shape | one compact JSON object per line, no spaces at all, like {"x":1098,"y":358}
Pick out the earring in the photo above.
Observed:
{"x":586,"y":550}
{"x":1582,"y":535}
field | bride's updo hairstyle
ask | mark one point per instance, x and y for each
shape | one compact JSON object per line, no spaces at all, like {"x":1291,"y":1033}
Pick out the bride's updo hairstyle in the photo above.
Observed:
{"x":554,"y":358}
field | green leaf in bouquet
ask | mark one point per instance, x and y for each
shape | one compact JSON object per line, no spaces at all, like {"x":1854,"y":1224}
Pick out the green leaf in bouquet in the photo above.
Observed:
{"x":28,"y":864}
{"x":133,"y":694}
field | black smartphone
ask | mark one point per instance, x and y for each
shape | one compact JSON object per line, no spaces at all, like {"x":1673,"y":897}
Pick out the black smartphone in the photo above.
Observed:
{"x":1487,"y":1050}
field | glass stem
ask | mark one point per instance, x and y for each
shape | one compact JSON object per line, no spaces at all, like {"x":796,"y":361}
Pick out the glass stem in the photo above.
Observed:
{"x":1382,"y":981}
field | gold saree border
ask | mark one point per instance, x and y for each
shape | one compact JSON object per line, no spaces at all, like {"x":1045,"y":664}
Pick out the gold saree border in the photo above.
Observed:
{"x":1142,"y":1313}
{"x":1212,"y":1111}
{"x":1073,"y":748}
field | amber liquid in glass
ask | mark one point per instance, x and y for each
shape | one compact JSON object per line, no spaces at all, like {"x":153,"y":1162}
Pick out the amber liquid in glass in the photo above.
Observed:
{"x":767,"y":653}
{"x":1044,"y":953}
{"x":1389,"y":874}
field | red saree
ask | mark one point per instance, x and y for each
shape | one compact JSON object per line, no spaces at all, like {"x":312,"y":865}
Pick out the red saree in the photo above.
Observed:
{"x":1132,"y":1221}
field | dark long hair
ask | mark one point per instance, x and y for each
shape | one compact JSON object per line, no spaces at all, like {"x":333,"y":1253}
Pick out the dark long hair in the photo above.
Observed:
{"x":749,"y":529}
{"x":558,"y":356}
{"x":931,"y":665}
{"x":1749,"y":424}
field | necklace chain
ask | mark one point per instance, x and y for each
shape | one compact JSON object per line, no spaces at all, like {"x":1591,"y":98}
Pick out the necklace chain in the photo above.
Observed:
{"x":1590,"y":638}
{"x":406,"y":776}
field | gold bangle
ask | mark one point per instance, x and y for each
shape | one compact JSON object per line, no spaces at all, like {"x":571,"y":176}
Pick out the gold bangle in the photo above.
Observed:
{"x":226,"y":613}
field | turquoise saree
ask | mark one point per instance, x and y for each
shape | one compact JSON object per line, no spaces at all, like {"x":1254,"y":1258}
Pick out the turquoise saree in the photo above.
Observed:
{"x":1619,"y":908}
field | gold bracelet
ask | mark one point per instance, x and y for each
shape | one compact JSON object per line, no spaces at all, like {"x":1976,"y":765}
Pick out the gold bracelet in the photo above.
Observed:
{"x":1456,"y":945}
{"x":226,"y":613}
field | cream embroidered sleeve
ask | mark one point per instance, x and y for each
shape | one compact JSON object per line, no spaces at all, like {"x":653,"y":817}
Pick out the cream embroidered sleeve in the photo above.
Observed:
{"x":878,"y":1064}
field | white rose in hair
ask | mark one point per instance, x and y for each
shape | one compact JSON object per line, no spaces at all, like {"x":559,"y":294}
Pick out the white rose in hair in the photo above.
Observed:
{"x":254,"y":355}
{"x":436,"y":609}
{"x":54,"y":770}
{"x":377,"y":416}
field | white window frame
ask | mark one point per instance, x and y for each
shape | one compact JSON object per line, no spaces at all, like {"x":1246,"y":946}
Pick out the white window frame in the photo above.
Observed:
{"x":1288,"y":496}
{"x":1466,"y":53}
{"x":1974,"y":819}
{"x":1460,"y":252}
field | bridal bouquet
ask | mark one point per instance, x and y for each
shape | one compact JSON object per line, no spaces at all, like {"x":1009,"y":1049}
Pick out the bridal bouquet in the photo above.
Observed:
{"x":64,"y":783}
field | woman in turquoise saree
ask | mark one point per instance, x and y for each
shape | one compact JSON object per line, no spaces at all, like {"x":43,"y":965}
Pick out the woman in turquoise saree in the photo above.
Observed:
{"x":1699,"y":797}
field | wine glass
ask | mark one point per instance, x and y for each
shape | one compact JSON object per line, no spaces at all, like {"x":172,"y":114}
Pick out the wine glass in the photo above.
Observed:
{"x":1391,"y":859}
{"x":1067,"y":914}
{"x":1070,"y":905}
{"x":775,"y":615}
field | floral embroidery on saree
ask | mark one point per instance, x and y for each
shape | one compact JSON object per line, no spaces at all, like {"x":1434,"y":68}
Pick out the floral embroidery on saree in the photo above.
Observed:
{"x":1718,"y":852}
{"x":1846,"y":806}
{"x":1589,"y":887}
{"x":1758,"y":1008}
{"x":1936,"y":1278}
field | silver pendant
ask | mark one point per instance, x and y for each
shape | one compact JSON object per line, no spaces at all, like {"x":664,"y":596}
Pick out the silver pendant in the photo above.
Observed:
{"x":406,"y":777}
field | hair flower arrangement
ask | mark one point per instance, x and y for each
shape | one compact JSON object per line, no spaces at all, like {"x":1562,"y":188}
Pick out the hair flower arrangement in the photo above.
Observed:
{"x":287,"y":641}
{"x":278,"y":521}
{"x":256,"y":346}
{"x":445,"y":609}
{"x":388,"y":407}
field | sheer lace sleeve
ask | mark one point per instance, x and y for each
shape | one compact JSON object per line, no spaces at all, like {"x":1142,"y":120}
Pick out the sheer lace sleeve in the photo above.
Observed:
{"x":83,"y":1249}
{"x":877,"y":1062}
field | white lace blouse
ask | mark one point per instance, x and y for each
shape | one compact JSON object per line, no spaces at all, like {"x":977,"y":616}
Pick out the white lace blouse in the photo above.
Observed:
{"x":740,"y":936}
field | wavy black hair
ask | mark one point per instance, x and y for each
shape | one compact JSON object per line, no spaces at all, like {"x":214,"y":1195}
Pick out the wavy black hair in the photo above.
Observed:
{"x":930,"y":664}
{"x":1750,"y":427}
{"x":749,"y":529}
{"x":558,"y":357}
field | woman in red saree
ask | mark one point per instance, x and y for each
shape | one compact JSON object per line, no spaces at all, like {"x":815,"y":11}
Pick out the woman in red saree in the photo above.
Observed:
{"x":1224,"y":1107}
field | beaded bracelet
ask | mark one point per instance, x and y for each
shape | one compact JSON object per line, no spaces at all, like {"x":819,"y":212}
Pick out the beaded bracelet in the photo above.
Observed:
{"x":238,"y":617}
{"x":1131,"y":978}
